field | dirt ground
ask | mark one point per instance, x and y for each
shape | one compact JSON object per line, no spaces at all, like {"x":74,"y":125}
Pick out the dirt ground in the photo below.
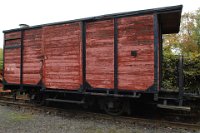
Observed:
{"x":15,"y":120}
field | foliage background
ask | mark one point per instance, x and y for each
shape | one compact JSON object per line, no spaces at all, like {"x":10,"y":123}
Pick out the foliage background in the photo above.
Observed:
{"x":187,"y":43}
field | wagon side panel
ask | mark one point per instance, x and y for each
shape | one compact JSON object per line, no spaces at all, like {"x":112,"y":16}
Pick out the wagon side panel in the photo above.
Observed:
{"x":62,"y":56}
{"x":32,"y":56}
{"x":100,"y":54}
{"x":135,"y":52}
{"x":12,"y":56}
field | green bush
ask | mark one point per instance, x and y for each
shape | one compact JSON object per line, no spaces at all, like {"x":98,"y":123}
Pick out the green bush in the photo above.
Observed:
{"x":191,"y":71}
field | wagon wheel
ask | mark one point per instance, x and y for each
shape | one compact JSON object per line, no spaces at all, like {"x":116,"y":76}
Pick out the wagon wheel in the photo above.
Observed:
{"x":41,"y":99}
{"x":114,"y":106}
{"x":37,"y":99}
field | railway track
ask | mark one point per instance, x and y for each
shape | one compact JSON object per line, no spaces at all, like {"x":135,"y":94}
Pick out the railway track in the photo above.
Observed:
{"x":21,"y":103}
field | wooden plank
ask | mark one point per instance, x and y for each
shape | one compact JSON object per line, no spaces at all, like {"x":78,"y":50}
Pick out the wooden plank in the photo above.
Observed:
{"x":12,"y":35}
{"x":13,"y":42}
{"x":32,"y":60}
{"x":12,"y":65}
{"x":62,"y":46}
{"x":135,"y":33}
{"x":100,"y":54}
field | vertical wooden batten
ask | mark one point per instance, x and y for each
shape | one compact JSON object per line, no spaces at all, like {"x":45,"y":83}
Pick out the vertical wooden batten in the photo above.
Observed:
{"x":115,"y":56}
{"x":83,"y":50}
{"x":4,"y":42}
{"x":156,"y":45}
{"x":21,"y":61}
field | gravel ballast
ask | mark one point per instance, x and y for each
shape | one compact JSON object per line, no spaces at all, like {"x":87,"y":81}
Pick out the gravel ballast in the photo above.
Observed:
{"x":15,"y":120}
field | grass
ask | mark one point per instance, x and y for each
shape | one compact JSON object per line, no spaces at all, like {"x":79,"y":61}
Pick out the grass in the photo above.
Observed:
{"x":19,"y":117}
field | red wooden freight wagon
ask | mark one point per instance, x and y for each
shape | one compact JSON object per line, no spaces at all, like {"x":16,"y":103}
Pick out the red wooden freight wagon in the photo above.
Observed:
{"x":115,"y":55}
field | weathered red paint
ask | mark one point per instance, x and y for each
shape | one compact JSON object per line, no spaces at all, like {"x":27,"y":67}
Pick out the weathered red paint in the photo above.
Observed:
{"x":12,"y":65}
{"x":100,"y":54}
{"x":53,"y":54}
{"x":62,"y":56}
{"x":12,"y":58}
{"x":135,"y":34}
{"x":13,"y":35}
{"x":32,"y":56}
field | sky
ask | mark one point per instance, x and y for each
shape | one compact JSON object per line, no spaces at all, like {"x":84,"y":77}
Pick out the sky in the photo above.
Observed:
{"x":36,"y":12}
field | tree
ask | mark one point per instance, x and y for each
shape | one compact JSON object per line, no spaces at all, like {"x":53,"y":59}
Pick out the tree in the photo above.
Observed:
{"x":197,"y":28}
{"x":187,"y":42}
{"x":188,"y":38}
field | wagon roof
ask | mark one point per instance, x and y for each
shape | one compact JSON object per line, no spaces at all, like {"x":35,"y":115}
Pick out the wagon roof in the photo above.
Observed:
{"x":169,"y":17}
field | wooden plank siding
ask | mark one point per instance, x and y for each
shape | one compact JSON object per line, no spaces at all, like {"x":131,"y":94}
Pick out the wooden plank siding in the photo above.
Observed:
{"x":100,"y":54}
{"x":135,"y":34}
{"x":114,"y":53}
{"x":32,"y":56}
{"x":12,"y":59}
{"x":13,"y":35}
{"x":53,"y":54}
{"x":62,"y":56}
